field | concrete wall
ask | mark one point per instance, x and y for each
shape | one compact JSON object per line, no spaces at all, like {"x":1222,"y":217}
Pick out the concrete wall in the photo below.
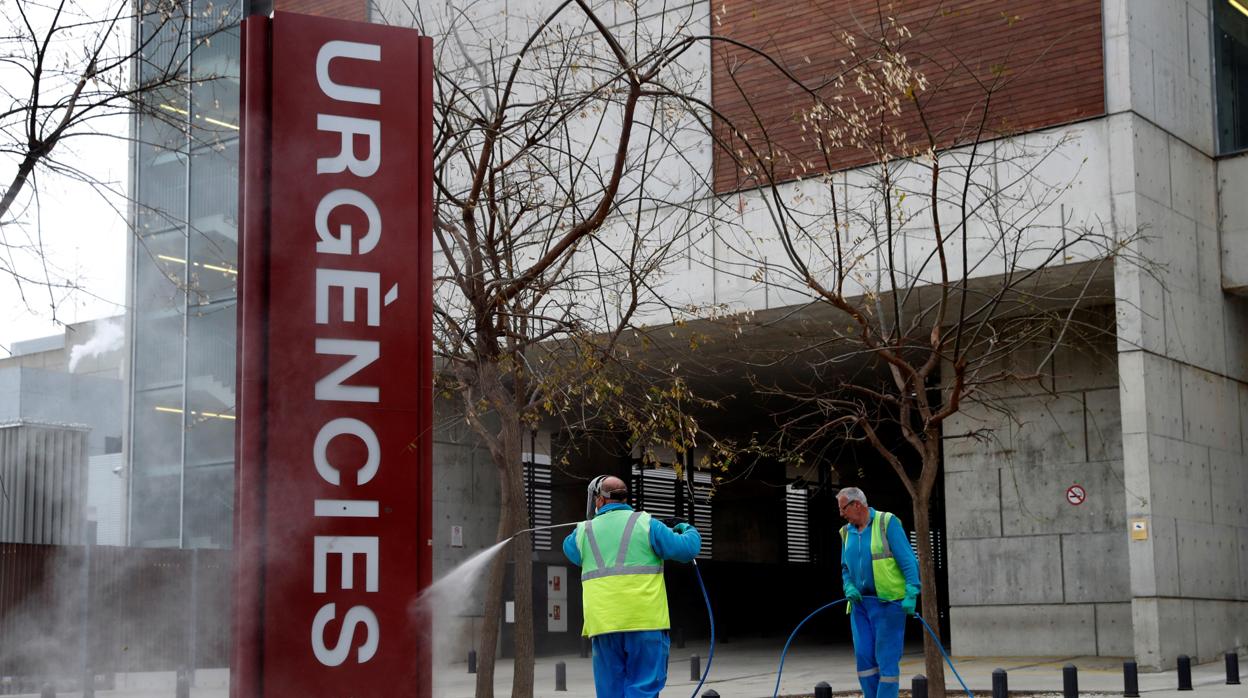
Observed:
{"x":1182,"y":374}
{"x":465,"y":494}
{"x":106,"y":498}
{"x":1076,"y":581}
{"x":1020,"y":556}
{"x":1233,"y":223}
{"x":53,"y":397}
{"x":92,"y":347}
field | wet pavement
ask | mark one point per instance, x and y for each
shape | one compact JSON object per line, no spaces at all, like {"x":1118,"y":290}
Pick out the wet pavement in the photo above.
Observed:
{"x":748,"y":670}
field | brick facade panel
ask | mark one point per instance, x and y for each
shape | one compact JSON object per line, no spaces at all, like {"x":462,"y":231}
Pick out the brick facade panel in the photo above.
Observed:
{"x":356,"y":10}
{"x":1046,"y":53}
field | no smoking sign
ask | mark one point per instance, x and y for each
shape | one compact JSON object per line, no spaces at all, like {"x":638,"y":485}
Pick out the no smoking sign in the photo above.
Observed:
{"x":1075,"y":494}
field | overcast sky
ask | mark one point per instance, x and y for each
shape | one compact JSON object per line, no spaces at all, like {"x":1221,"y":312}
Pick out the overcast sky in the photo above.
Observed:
{"x":83,"y":234}
{"x":85,"y":241}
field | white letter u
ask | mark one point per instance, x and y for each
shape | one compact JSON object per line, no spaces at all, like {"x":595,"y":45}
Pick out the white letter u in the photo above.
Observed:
{"x":346,"y":49}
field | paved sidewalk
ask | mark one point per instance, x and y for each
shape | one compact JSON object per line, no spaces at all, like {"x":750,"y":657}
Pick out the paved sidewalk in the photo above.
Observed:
{"x":748,"y":670}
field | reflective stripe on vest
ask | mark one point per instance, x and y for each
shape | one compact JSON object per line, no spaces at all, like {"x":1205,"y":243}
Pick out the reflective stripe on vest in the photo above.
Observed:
{"x":879,"y":541}
{"x":620,"y":558}
{"x":890,"y":583}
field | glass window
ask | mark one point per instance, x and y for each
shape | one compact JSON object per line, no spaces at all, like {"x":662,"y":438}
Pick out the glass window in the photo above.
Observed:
{"x":158,"y":351}
{"x":157,"y":423}
{"x":214,"y":223}
{"x":210,"y":384}
{"x":160,"y":270}
{"x":1230,"y":38}
{"x":154,"y":511}
{"x":161,"y":128}
{"x":209,"y":506}
{"x":161,"y":161}
{"x":159,"y":273}
{"x":214,"y":16}
{"x":165,"y":40}
{"x":216,"y":82}
{"x":156,"y":462}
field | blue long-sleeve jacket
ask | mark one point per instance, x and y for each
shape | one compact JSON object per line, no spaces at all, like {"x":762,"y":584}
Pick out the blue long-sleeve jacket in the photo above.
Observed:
{"x":856,"y":557}
{"x":667,"y":544}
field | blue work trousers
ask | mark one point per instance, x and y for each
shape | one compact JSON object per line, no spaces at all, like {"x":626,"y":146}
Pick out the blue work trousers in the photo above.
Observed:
{"x":631,"y":665}
{"x":879,"y":635}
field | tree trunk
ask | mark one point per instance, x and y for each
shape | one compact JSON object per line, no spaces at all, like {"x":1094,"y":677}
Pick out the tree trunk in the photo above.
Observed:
{"x":522,"y":554}
{"x":487,"y":652}
{"x":505,"y":452}
{"x":933,"y":660}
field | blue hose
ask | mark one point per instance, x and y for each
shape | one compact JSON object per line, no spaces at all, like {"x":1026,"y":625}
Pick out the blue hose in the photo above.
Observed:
{"x":710,"y":656}
{"x":819,"y":610}
{"x":794,"y":634}
{"x":946,"y":655}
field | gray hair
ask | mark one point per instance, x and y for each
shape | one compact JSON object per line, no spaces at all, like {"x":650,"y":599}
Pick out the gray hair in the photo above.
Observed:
{"x":852,"y":494}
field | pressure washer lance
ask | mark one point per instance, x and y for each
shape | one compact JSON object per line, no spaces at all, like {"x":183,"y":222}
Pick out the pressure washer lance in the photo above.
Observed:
{"x":543,"y":528}
{"x":592,"y":491}
{"x":838,"y":602}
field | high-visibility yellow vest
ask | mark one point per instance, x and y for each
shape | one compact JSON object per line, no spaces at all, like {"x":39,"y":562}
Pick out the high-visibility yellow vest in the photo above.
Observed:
{"x":622,"y":585}
{"x":890,"y":583}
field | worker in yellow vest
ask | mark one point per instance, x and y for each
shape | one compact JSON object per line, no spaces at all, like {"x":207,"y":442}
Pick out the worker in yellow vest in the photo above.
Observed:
{"x":621,"y":552}
{"x":880,"y":576}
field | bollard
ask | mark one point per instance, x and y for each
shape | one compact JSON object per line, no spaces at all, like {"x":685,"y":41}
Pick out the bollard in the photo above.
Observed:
{"x":1000,"y":683}
{"x":472,"y":661}
{"x":1232,"y":669}
{"x":561,"y":676}
{"x":918,"y":686}
{"x":695,"y":668}
{"x":1185,"y":672}
{"x":712,"y":693}
{"x":183,"y":689}
{"x":585,"y":647}
{"x":823,"y":690}
{"x":1070,"y":681}
{"x":1130,"y":680}
{"x":47,"y":691}
{"x":680,"y":637}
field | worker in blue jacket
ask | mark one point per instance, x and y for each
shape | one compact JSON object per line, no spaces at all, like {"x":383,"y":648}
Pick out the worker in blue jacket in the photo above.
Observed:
{"x":621,"y":553}
{"x":880,"y":576}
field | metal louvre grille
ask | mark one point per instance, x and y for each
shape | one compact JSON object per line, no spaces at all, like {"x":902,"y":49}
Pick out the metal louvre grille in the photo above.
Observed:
{"x":660,"y":493}
{"x":938,"y":553}
{"x":43,"y":479}
{"x":797,"y":523}
{"x":537,"y":495}
{"x":702,"y":486}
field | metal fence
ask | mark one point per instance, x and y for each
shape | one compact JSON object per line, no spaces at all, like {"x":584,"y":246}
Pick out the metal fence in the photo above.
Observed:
{"x":65,"y":610}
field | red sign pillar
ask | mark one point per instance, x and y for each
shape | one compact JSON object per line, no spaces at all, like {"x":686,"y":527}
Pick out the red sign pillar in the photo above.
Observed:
{"x":334,"y":445}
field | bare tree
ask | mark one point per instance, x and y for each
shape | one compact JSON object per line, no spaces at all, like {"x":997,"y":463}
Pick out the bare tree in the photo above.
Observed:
{"x":565,"y":179}
{"x":939,"y":266}
{"x":74,"y":72}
